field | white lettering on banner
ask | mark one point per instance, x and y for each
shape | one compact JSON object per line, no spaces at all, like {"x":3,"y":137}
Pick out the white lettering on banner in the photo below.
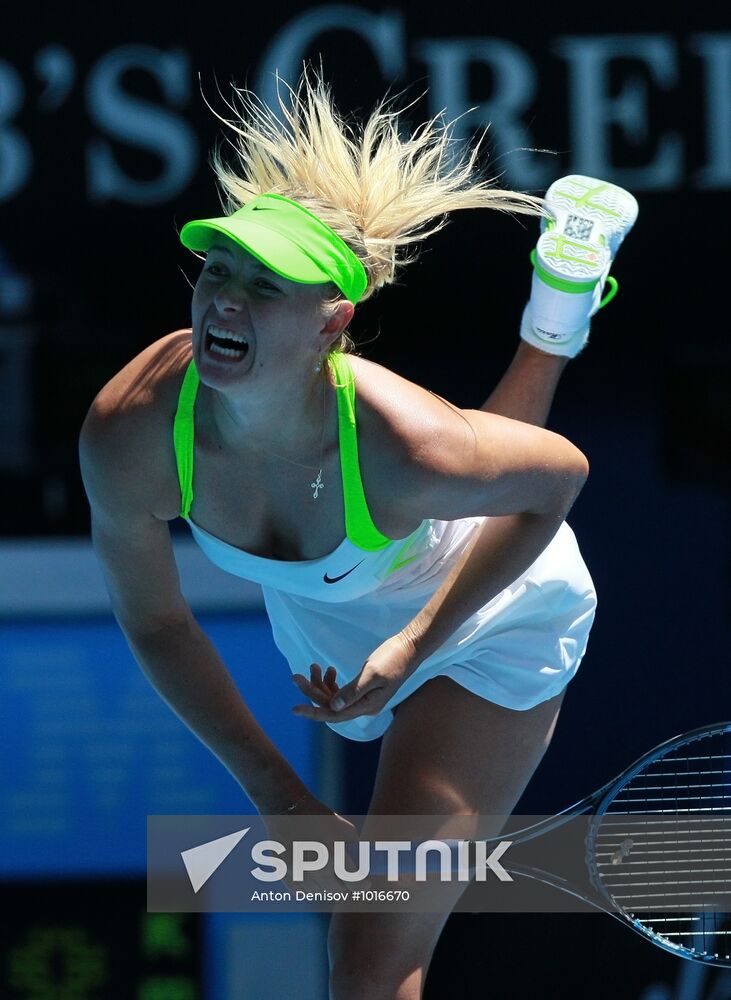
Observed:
{"x":54,"y":65}
{"x":593,"y":108}
{"x":592,"y":111}
{"x":16,"y":161}
{"x":140,"y":123}
{"x":514,"y":90}
{"x":384,"y":33}
{"x":715,"y":50}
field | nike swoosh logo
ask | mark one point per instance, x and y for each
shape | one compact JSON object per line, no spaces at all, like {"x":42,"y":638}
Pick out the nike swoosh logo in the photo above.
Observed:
{"x":405,"y":562}
{"x":334,"y":579}
{"x":402,"y":559}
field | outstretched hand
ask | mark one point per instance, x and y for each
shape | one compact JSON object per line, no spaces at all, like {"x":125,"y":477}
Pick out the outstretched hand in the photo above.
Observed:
{"x":383,"y":673}
{"x":312,"y":820}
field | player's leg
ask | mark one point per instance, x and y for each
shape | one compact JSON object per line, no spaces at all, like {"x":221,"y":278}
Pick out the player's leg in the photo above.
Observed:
{"x":526,"y":390}
{"x":571,"y":266}
{"x":447,"y":752}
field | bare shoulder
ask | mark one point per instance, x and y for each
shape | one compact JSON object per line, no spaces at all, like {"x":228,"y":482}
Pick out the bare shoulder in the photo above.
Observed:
{"x":131,"y":419}
{"x":138,"y":389}
{"x":404,"y":420}
{"x":406,"y":435}
{"x":421,"y":429}
{"x":449,"y":462}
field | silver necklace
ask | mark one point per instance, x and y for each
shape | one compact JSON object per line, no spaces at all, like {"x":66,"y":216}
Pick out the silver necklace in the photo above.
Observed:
{"x":318,"y":483}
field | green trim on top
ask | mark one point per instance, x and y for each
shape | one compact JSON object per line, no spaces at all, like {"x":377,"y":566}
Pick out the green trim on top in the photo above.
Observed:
{"x":183,"y":436}
{"x":560,"y":283}
{"x":359,"y":525}
{"x":613,"y":289}
{"x":401,"y":558}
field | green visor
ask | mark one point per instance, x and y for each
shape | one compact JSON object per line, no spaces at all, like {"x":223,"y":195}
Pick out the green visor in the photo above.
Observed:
{"x":289,"y":239}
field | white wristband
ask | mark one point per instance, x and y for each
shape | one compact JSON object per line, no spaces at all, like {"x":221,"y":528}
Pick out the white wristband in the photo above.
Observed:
{"x":566,"y":345}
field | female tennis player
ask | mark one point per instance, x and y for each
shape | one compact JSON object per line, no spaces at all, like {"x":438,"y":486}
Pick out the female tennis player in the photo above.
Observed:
{"x":415,"y":560}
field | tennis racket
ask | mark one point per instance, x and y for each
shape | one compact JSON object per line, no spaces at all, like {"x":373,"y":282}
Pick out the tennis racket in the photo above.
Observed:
{"x":658,"y":846}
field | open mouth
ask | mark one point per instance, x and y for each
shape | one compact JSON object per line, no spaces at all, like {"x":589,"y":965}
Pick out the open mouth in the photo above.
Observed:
{"x":225,"y":345}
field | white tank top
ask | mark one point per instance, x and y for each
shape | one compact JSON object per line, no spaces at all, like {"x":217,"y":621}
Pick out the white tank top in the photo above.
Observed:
{"x":336,"y":610}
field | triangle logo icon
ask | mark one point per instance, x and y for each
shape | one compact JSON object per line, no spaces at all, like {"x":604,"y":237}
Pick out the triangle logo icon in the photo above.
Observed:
{"x":202,"y":861}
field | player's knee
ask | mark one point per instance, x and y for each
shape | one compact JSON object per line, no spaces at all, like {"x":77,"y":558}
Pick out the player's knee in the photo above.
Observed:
{"x":368,"y":965}
{"x":353,"y":981}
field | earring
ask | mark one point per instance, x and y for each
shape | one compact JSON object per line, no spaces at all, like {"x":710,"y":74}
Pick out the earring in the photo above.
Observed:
{"x":318,"y":366}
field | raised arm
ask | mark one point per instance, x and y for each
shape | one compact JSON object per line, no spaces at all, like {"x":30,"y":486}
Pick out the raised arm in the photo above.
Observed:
{"x":524,"y":478}
{"x":452,"y":464}
{"x":121,"y":473}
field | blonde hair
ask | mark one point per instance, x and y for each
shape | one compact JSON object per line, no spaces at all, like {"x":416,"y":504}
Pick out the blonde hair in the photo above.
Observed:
{"x":377,"y":192}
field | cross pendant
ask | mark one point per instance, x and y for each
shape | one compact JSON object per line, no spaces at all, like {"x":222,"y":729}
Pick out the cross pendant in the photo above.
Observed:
{"x":317,"y":485}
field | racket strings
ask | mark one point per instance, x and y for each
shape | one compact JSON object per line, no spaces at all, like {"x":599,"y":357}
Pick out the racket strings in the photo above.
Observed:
{"x":662,"y":848}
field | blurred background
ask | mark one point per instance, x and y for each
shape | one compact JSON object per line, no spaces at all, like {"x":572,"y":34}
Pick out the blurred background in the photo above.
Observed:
{"x":104,"y":139}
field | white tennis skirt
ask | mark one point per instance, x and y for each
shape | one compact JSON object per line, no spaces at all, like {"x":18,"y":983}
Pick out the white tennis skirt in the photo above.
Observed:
{"x":520,"y":649}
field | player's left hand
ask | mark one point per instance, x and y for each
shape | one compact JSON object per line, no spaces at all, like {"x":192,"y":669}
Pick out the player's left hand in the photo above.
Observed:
{"x":383,"y":673}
